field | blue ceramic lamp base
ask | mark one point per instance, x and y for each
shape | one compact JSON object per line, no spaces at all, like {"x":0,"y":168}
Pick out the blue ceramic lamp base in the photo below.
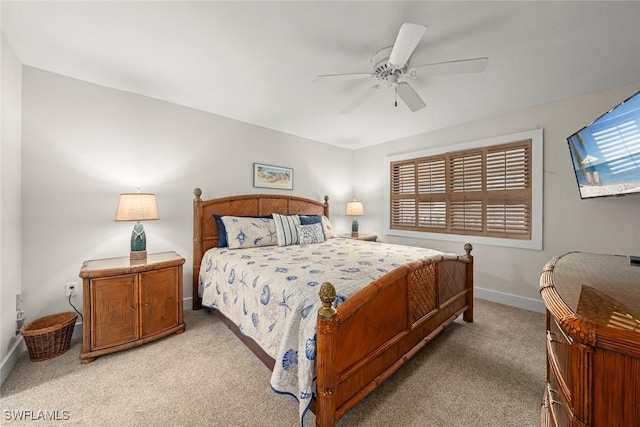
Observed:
{"x":354,"y":228}
{"x":138,"y":243}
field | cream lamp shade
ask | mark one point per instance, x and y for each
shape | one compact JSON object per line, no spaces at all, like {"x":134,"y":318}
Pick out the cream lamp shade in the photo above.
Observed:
{"x":354,"y":209}
{"x":137,"y":207}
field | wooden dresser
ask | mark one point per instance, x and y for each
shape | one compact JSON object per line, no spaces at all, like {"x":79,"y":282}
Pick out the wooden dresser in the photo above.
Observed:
{"x":593,"y":341}
{"x":126,"y":305}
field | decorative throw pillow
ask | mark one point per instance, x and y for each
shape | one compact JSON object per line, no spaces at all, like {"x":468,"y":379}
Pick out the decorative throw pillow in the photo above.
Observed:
{"x":249,"y":232}
{"x":310,"y":233}
{"x":222,"y":232}
{"x":327,"y":228}
{"x":312,"y":219}
{"x":286,"y":229}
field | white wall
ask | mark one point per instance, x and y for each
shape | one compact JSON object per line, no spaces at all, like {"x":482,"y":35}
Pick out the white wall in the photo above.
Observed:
{"x":10,"y":198}
{"x":83,"y":144}
{"x":605,"y":225}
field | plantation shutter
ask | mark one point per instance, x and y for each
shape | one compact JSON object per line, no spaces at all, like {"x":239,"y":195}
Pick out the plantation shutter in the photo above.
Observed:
{"x":403,"y":187}
{"x":509,"y":191}
{"x":484,"y":192}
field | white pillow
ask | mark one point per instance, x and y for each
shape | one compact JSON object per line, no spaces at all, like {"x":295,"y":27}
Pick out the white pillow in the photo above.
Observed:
{"x":249,"y":232}
{"x":310,"y":233}
{"x":286,"y":229}
{"x":328,"y":229}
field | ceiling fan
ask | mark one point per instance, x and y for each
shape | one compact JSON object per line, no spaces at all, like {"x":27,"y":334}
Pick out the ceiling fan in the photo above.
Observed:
{"x":391,"y":64}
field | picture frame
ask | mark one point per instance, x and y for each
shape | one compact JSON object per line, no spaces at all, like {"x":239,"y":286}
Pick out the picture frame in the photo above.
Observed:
{"x":269,"y":176}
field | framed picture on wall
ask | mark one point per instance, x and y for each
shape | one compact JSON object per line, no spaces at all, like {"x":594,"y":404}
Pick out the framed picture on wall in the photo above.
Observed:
{"x":268,"y":176}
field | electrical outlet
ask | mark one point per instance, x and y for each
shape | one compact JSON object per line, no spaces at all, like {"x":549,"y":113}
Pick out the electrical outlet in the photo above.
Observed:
{"x":71,"y":289}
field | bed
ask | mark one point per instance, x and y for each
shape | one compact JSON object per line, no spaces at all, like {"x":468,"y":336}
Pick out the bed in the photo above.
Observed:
{"x":367,"y":308}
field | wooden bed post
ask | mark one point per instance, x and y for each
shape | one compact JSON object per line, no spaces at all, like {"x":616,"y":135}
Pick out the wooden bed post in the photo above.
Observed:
{"x":326,"y":378}
{"x":326,"y":206}
{"x":467,"y":316}
{"x":197,"y":247}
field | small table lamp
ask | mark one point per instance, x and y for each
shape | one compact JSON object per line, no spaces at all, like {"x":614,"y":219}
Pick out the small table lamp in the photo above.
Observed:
{"x":137,"y":207}
{"x":354,"y":209}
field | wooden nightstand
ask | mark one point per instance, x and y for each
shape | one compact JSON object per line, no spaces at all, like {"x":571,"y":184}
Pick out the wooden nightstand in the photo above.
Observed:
{"x":127,"y":305}
{"x":367,"y":237}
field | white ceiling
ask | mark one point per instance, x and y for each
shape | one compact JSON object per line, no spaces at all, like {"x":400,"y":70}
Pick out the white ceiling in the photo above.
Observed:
{"x":255,"y":61}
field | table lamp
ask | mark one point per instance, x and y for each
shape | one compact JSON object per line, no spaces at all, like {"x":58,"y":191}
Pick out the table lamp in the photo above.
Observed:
{"x":137,"y":207}
{"x":355,"y":210}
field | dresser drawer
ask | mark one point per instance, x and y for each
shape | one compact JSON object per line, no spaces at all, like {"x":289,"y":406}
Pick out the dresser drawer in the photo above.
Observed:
{"x":559,"y":407}
{"x":559,"y":356}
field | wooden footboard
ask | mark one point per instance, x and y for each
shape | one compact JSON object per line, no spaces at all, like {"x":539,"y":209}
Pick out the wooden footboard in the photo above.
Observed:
{"x":373,"y":333}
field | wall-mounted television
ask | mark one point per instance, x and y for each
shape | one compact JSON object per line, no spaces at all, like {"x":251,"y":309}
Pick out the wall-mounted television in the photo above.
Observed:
{"x":606,"y":152}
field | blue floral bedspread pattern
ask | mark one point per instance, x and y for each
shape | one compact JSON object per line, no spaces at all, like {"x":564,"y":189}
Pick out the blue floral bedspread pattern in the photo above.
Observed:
{"x":271,"y":294}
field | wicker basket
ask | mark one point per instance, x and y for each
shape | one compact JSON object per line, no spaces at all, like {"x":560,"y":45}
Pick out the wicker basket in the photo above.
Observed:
{"x":49,"y":336}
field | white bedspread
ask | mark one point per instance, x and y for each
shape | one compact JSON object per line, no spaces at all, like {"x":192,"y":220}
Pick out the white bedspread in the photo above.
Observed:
{"x":271,"y":293}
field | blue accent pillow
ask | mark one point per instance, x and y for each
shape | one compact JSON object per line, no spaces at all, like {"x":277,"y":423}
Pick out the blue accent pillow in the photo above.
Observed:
{"x":222,"y":232}
{"x":310,"y":219}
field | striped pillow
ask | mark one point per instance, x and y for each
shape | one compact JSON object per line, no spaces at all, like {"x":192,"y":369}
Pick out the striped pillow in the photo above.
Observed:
{"x":286,"y":229}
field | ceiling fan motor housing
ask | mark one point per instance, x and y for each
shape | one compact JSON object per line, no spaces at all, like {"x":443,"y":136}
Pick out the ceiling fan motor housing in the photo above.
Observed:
{"x":382,"y":70}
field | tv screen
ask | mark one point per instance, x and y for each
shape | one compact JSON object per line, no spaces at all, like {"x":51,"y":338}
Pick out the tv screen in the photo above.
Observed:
{"x":606,"y":152}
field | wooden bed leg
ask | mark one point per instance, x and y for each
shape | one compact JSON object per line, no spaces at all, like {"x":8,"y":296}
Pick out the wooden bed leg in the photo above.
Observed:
{"x":467,"y":316}
{"x":325,"y":374}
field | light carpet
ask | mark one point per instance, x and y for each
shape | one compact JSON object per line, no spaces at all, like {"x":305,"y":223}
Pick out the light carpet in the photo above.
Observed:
{"x":486,"y":373}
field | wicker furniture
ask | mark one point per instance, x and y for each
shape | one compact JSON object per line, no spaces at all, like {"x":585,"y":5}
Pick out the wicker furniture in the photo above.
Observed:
{"x":49,"y":336}
{"x":127,"y":305}
{"x":370,"y":335}
{"x":593,"y":341}
{"x":365,"y":237}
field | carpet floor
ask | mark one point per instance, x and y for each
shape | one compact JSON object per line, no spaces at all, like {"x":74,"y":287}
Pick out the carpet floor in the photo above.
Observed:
{"x":487,"y":373}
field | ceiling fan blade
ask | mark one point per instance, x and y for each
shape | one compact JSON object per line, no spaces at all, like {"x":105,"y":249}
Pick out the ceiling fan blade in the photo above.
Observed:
{"x":410,"y":97}
{"x":474,"y":65}
{"x":360,"y":99}
{"x":406,"y":42}
{"x":334,"y":77}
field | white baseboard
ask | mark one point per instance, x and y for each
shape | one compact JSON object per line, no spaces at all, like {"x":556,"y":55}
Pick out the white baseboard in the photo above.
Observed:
{"x":11,"y":358}
{"x":509,"y":299}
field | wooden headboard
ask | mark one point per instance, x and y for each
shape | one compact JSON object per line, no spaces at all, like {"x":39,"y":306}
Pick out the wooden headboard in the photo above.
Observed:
{"x":205,"y":231}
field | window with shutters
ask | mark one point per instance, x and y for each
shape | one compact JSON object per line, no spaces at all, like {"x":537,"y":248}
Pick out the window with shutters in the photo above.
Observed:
{"x":482,"y":191}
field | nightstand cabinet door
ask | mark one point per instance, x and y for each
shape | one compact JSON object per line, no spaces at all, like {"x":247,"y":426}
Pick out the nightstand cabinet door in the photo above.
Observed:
{"x":114,"y":314}
{"x":158,"y":298}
